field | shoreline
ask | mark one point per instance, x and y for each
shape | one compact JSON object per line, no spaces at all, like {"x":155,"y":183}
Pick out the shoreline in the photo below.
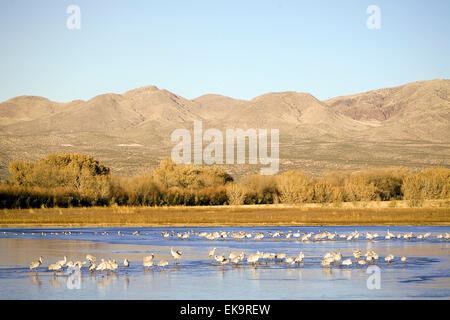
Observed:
{"x":226,"y":216}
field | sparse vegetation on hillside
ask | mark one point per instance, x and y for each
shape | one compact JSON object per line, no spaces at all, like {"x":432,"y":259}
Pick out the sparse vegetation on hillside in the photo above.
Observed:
{"x":75,"y":180}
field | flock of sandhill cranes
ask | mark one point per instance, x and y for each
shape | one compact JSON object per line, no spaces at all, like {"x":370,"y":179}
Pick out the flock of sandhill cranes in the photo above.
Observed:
{"x":110,"y":264}
{"x":329,"y":259}
{"x":297,"y":235}
{"x":302,"y":236}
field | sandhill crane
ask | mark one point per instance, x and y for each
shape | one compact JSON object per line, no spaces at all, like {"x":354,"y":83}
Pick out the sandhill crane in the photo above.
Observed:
{"x":300,"y":257}
{"x":280,"y":255}
{"x":101,"y":266}
{"x":219,"y":258}
{"x":258,"y":236}
{"x":62,"y":262}
{"x":233,"y":255}
{"x":91,"y":258}
{"x":326,"y":261}
{"x":79,"y":264}
{"x":212,"y":252}
{"x":361,"y":262}
{"x":357,"y":254}
{"x":113,"y":265}
{"x":35,"y":264}
{"x":126,"y":263}
{"x":289,"y":260}
{"x":148,"y":258}
{"x":337,"y":257}
{"x":253,"y":258}
{"x":55,"y":267}
{"x":347,"y":262}
{"x":163,"y":263}
{"x":176,"y":254}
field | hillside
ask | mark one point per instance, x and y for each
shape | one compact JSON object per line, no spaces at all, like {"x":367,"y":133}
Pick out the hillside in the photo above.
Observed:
{"x":407,"y":125}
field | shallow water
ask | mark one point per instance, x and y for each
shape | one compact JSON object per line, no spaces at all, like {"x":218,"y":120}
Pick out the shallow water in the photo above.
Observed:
{"x":425,"y":274}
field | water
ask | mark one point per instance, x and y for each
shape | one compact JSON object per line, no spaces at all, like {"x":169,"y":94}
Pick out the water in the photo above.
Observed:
{"x":425,"y":274}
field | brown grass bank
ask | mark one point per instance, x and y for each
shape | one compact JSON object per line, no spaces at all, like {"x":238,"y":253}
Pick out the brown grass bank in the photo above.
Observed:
{"x":255,"y":215}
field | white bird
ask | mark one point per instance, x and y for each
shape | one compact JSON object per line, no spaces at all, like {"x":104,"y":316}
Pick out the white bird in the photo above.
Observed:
{"x":347,"y":262}
{"x":300,"y":257}
{"x":35,"y":264}
{"x":126,"y":263}
{"x":148,"y":258}
{"x":280,"y":255}
{"x":55,"y":267}
{"x":253,"y":258}
{"x":92,"y":267}
{"x":212,"y":252}
{"x":163,"y":263}
{"x":101,"y":266}
{"x":403,"y":258}
{"x":62,"y":262}
{"x":233,"y":255}
{"x":90,"y":258}
{"x":176,"y":254}
{"x":389,"y":258}
{"x":289,"y":260}
{"x":219,"y":258}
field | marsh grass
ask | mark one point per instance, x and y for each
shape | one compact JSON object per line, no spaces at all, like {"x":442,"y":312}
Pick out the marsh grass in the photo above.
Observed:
{"x":254,"y":215}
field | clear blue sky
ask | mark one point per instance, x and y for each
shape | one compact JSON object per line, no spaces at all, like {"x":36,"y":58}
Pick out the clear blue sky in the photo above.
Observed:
{"x":236,"y":48}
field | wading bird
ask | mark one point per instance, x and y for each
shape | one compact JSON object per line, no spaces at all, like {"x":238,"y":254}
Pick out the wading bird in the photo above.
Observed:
{"x":35,"y":264}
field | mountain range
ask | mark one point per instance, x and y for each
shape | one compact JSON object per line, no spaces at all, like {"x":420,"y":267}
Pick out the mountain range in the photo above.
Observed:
{"x":408,"y":125}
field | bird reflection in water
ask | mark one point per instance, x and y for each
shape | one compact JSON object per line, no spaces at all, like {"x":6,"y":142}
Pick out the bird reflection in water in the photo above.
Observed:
{"x":55,"y":282}
{"x":106,"y":280}
{"x":34,"y":279}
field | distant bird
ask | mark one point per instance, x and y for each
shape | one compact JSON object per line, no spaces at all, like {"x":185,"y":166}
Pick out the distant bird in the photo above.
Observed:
{"x":362,"y":262}
{"x":176,"y":254}
{"x":90,"y":258}
{"x":148,"y":258}
{"x":403,"y":258}
{"x":219,"y":258}
{"x":35,"y":264}
{"x":62,"y":262}
{"x":147,"y":261}
{"x":347,"y":262}
{"x":280,"y":255}
{"x":163,"y":263}
{"x":126,"y":263}
{"x":55,"y":267}
{"x":389,"y":258}
{"x":92,"y":267}
{"x":253,"y":258}
{"x":289,"y":260}
{"x":101,"y":266}
{"x":212,"y":252}
{"x":300,"y":257}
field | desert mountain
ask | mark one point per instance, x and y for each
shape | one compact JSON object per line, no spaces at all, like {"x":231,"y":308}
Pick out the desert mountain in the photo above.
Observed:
{"x":405,"y":125}
{"x":418,"y":110}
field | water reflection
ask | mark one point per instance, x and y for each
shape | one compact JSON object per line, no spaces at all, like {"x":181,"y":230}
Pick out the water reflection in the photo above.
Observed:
{"x":198,"y":276}
{"x":34,"y":279}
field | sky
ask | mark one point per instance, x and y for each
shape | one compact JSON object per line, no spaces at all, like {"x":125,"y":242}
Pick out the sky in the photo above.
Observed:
{"x":240,"y":49}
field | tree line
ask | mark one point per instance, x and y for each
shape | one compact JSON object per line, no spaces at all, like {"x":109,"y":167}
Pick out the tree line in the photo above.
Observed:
{"x":73,"y":180}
